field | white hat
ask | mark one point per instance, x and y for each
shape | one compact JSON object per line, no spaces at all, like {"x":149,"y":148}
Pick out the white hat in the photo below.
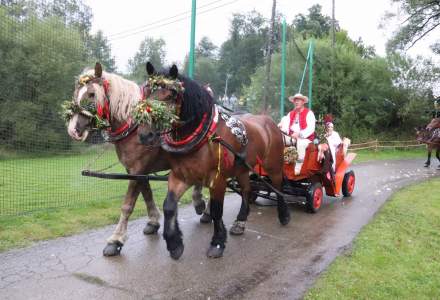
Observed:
{"x":298,"y":96}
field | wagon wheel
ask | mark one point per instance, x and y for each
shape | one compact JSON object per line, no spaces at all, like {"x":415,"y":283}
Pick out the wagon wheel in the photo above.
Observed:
{"x":348,"y":184}
{"x":314,"y":197}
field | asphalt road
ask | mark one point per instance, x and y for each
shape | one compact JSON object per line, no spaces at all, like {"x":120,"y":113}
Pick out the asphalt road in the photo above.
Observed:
{"x":268,"y":262}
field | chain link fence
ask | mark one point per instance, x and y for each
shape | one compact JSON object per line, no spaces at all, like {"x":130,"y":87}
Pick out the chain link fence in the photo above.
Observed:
{"x":42,"y":50}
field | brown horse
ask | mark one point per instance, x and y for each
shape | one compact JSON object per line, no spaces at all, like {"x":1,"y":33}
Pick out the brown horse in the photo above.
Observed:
{"x":430,"y":135}
{"x":209,"y":161}
{"x":109,"y":98}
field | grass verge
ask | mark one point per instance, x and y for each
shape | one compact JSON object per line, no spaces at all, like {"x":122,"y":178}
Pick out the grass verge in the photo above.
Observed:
{"x":23,"y":230}
{"x":390,"y":154}
{"x":395,"y":256}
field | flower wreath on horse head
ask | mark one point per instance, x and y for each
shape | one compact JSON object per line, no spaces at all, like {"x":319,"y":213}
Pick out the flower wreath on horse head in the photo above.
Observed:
{"x":162,"y":114}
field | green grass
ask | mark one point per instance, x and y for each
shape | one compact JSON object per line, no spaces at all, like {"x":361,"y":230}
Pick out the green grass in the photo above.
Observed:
{"x":46,"y":197}
{"x":396,"y":256}
{"x":369,"y":155}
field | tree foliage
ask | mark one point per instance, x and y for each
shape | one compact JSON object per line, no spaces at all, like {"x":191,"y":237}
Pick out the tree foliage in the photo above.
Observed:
{"x":206,"y":48}
{"x":371,"y":95}
{"x":37,"y":74}
{"x":100,"y":50}
{"x":315,"y":24}
{"x":43,"y":46}
{"x":150,"y":49}
{"x":243,"y":52}
{"x":422,"y":18}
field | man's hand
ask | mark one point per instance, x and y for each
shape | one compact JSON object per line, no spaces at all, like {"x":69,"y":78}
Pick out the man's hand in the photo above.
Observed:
{"x":295,"y":135}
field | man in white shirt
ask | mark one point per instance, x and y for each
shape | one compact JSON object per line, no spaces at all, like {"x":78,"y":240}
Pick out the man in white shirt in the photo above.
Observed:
{"x":299,"y":123}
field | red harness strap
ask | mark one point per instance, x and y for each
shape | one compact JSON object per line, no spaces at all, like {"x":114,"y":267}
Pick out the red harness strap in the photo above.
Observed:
{"x":190,"y":137}
{"x":196,"y":132}
{"x":103,"y":111}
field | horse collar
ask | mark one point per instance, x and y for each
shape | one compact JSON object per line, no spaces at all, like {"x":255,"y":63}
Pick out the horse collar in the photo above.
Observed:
{"x":194,"y":141}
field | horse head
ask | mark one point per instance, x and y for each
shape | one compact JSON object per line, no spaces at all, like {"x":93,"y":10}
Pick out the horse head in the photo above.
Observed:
{"x":89,"y":95}
{"x":434,"y":124}
{"x":422,"y":134}
{"x":163,"y":96}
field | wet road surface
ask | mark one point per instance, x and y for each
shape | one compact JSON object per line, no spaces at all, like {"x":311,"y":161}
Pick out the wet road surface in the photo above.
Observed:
{"x":268,"y":262}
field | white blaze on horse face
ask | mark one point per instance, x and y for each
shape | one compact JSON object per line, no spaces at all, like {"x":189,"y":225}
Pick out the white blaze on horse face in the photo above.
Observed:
{"x":71,"y":130}
{"x":81,"y":93}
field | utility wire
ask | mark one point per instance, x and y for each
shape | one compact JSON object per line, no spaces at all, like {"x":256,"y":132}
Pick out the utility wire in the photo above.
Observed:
{"x":160,"y":20}
{"x":171,"y":22}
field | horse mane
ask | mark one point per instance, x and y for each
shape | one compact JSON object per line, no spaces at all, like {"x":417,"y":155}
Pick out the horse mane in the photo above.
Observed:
{"x":196,"y":100}
{"x":123,"y":94}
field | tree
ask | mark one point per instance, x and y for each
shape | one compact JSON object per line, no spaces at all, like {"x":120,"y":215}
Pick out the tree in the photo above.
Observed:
{"x":71,"y":12}
{"x":422,"y":18}
{"x":244,"y":50}
{"x":359,"y":111}
{"x":206,"y":48}
{"x":40,"y":59}
{"x":315,"y":24}
{"x":150,"y":49}
{"x":100,"y":50}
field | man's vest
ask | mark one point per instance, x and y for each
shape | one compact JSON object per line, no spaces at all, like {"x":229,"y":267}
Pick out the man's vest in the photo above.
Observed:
{"x":302,"y":121}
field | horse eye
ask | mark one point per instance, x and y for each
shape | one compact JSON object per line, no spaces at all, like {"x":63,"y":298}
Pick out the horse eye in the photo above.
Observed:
{"x":91,"y":95}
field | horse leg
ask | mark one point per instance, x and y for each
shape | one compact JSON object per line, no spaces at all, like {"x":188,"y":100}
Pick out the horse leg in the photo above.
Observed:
{"x":153,"y":224}
{"x":240,"y":223}
{"x":218,"y":241}
{"x":428,"y":162}
{"x":283,"y":209}
{"x":119,"y":236}
{"x":172,"y":233}
{"x":437,"y":154}
{"x":197,"y":199}
{"x":206,"y":216}
{"x":200,"y":206}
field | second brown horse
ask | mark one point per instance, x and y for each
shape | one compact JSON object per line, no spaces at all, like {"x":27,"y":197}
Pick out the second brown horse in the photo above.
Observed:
{"x":209,"y":162}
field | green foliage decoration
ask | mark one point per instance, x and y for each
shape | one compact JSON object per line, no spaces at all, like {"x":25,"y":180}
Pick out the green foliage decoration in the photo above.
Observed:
{"x":158,"y":114}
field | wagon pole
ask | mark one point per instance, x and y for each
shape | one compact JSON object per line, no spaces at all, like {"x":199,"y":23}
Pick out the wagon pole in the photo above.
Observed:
{"x":269,"y":57}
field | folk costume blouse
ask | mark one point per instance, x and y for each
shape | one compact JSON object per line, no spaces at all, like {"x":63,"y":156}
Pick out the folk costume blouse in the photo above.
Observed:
{"x":303,"y":123}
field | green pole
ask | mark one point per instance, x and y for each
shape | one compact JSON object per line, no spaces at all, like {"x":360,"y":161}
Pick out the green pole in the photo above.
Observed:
{"x":192,"y":40}
{"x":304,"y":71}
{"x":283,"y":70}
{"x":310,"y":74}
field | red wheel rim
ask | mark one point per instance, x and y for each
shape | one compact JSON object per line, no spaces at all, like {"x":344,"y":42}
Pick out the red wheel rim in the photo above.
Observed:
{"x":317,"y":198}
{"x":350,"y":183}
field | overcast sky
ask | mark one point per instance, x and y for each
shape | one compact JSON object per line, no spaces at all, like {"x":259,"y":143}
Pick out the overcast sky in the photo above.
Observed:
{"x":126,"y":23}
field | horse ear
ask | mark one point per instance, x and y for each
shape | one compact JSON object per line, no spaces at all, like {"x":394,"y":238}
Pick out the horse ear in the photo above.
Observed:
{"x":98,"y":70}
{"x":150,"y":68}
{"x":174,"y":72}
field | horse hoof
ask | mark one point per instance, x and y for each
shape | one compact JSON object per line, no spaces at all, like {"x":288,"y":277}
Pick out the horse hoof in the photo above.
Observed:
{"x":205,"y":218}
{"x":200,"y":208}
{"x":151,"y":228}
{"x":177,"y":253}
{"x":112,"y":249}
{"x":426,"y":166}
{"x":215,"y":251}
{"x":284,"y":220}
{"x":237,"y":228}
